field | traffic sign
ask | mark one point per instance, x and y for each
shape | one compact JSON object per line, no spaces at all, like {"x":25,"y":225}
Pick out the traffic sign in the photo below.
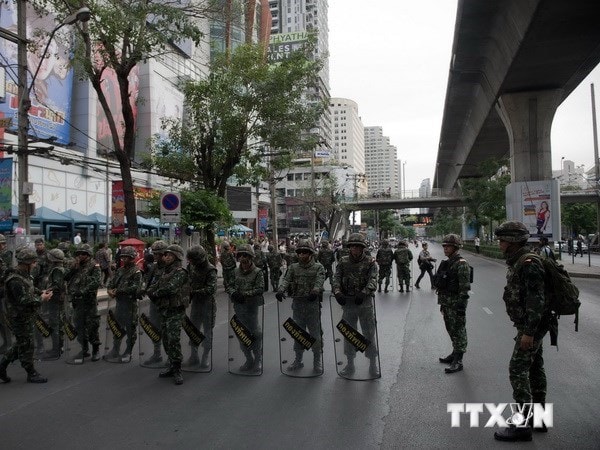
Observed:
{"x":170,"y":207}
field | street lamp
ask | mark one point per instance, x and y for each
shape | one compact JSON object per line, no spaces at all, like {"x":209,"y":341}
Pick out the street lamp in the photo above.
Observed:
{"x":24,"y":189}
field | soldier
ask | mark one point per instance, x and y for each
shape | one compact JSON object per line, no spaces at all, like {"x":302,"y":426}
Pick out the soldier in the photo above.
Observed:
{"x":354,"y":285}
{"x":102,"y":257}
{"x":169,"y":296}
{"x":22,"y":303}
{"x":290,"y":256}
{"x":384,"y":259}
{"x":55,"y":282}
{"x":83,"y":281}
{"x":246,"y":293}
{"x":158,"y":248}
{"x":527,"y":309}
{"x":452,"y":284}
{"x":342,"y":251}
{"x":228,"y":263}
{"x":303,"y":281}
{"x":326,"y":258}
{"x":203,"y":288}
{"x":274,"y":261}
{"x":261,"y":262}
{"x":425,"y":261}
{"x":125,"y":287}
{"x":39,"y":274}
{"x":403,"y":257}
{"x":5,"y":264}
{"x":65,"y":247}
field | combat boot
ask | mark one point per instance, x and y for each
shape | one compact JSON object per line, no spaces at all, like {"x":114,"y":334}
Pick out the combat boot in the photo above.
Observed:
{"x":248,"y":364}
{"x":407,"y":287}
{"x":448,"y":359}
{"x":34,"y":377}
{"x":3,"y":366}
{"x":349,"y":369}
{"x":177,"y":375}
{"x":297,"y":364}
{"x":514,"y":433}
{"x":193,"y":360}
{"x":386,"y":288}
{"x":156,"y":356}
{"x":257,"y":367}
{"x":126,"y":356}
{"x":167,"y":373}
{"x":114,"y":353}
{"x":379,"y":290}
{"x":417,"y":286}
{"x":543,"y":428}
{"x":96,"y":352}
{"x":401,"y":288}
{"x":456,"y":364}
{"x":204,"y":363}
{"x":317,"y":363}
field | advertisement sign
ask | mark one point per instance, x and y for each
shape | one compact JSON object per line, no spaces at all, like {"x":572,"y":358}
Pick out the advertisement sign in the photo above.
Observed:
{"x":6,"y":195}
{"x":170,"y":207}
{"x":282,"y":45}
{"x":118,"y":208}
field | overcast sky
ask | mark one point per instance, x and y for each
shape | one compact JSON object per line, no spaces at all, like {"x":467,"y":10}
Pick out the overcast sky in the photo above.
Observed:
{"x":392,"y":58}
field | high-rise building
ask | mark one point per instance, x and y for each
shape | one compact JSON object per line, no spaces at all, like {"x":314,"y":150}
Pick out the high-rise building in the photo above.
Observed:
{"x":381,"y":163}
{"x":348,"y":133}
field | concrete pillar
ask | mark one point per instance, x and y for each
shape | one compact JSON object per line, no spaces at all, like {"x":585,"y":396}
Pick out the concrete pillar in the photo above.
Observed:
{"x":528,"y":117}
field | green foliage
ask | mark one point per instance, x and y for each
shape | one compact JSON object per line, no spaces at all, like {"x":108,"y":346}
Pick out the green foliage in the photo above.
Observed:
{"x":447,"y":220}
{"x":579,"y":218}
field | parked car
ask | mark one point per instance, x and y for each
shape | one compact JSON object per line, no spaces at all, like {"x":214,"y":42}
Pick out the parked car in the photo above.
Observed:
{"x":564,"y":246}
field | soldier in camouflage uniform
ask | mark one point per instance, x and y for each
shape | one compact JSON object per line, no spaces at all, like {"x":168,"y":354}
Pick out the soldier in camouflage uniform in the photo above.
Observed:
{"x":22,"y":303}
{"x":326,"y":258}
{"x":246,"y":293}
{"x":55,"y":282}
{"x":65,"y":247}
{"x":354,"y":285}
{"x":39,"y":274}
{"x":83,"y":281}
{"x":452,"y":285}
{"x":125,"y":286}
{"x":275,"y":261}
{"x":228,"y":263}
{"x":384,"y":259}
{"x":304,"y":283}
{"x":290,"y":256}
{"x":342,"y":251}
{"x":203,"y":288}
{"x":403,"y":257}
{"x":158,"y":249}
{"x":260,"y":261}
{"x":527,"y":309}
{"x":5,"y":264}
{"x":169,"y":296}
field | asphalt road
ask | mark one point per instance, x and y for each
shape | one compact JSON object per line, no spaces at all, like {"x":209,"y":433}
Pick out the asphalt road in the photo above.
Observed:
{"x":102,"y":405}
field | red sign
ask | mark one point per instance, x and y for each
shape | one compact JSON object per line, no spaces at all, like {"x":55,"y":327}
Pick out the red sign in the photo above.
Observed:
{"x":118,"y":208}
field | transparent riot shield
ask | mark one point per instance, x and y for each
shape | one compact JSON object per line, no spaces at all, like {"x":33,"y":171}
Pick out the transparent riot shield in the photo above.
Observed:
{"x":150,"y":347}
{"x":6,"y":337}
{"x":42,"y":331}
{"x":355,"y":339}
{"x":300,"y":337}
{"x":121,"y":330}
{"x":71,"y":345}
{"x":196,"y":336}
{"x":245,"y":338}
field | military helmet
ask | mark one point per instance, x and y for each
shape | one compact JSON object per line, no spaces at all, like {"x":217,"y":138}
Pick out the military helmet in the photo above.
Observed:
{"x":225,"y":245}
{"x":357,"y":239}
{"x":129,"y":251}
{"x":512,"y":231}
{"x":270,"y":248}
{"x":2,"y":238}
{"x":197,"y":254}
{"x":84,"y":248}
{"x":26,"y":256}
{"x":403,"y":243}
{"x":256,"y":246}
{"x":175,"y":250}
{"x":245,"y":249}
{"x":452,"y":239}
{"x":385,"y":243}
{"x":159,"y":247}
{"x":64,"y":246}
{"x":305,"y":244}
{"x":56,"y":255}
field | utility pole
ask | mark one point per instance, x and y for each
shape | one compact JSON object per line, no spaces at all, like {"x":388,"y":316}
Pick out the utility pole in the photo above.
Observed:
{"x":23,"y":117}
{"x":596,"y":162}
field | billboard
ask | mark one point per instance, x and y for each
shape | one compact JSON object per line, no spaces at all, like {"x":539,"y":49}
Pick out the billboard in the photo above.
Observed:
{"x":282,"y":45}
{"x":6,"y":195}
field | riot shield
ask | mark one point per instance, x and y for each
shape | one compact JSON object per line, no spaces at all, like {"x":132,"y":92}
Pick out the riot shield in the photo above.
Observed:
{"x":355,"y":339}
{"x":150,"y":338}
{"x":245,"y":338}
{"x":300,"y":337}
{"x":71,"y":346}
{"x":41,"y":331}
{"x":196,"y":336}
{"x":121,"y":330}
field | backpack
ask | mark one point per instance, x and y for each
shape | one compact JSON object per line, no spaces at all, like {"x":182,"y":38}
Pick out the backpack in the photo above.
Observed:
{"x":561,"y":293}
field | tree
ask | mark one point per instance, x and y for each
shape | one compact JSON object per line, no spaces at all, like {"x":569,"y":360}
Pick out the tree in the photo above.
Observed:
{"x":243,"y":109}
{"x":447,"y":220}
{"x":118,"y":36}
{"x":579,"y":218}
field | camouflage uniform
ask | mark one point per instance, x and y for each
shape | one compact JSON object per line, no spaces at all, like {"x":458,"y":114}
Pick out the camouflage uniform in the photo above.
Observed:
{"x":384,"y":259}
{"x":126,"y":284}
{"x":39,"y":273}
{"x":228,"y":264}
{"x":5,"y":264}
{"x":403,"y":257}
{"x":342,"y":251}
{"x":260,"y":261}
{"x":246,"y":293}
{"x":153,"y":275}
{"x":354,"y":285}
{"x":304,"y":283}
{"x":326,"y":258}
{"x":55,"y":282}
{"x":274,"y":261}
{"x":83,"y":281}
{"x":203,"y":288}
{"x":290,"y":256}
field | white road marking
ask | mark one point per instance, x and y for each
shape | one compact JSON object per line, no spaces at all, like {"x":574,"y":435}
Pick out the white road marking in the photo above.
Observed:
{"x":487,"y":310}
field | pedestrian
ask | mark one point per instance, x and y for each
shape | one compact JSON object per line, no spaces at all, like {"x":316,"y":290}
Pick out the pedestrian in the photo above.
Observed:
{"x":169,"y":296}
{"x":384,"y":259}
{"x":77,"y":239}
{"x":39,"y":273}
{"x":83,"y":281}
{"x":124,"y":288}
{"x":228,"y":263}
{"x":203,"y":288}
{"x":527,"y":309}
{"x":425,"y":261}
{"x":55,"y":282}
{"x":246,"y":294}
{"x":326,"y":257}
{"x":6,"y":262}
{"x":477,"y":243}
{"x":354,"y":285}
{"x":303,"y":282}
{"x":274,"y":261}
{"x":103,"y":259}
{"x":452,"y":286}
{"x":544,"y":249}
{"x":579,"y":246}
{"x":403,"y":257}
{"x":22,"y":303}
